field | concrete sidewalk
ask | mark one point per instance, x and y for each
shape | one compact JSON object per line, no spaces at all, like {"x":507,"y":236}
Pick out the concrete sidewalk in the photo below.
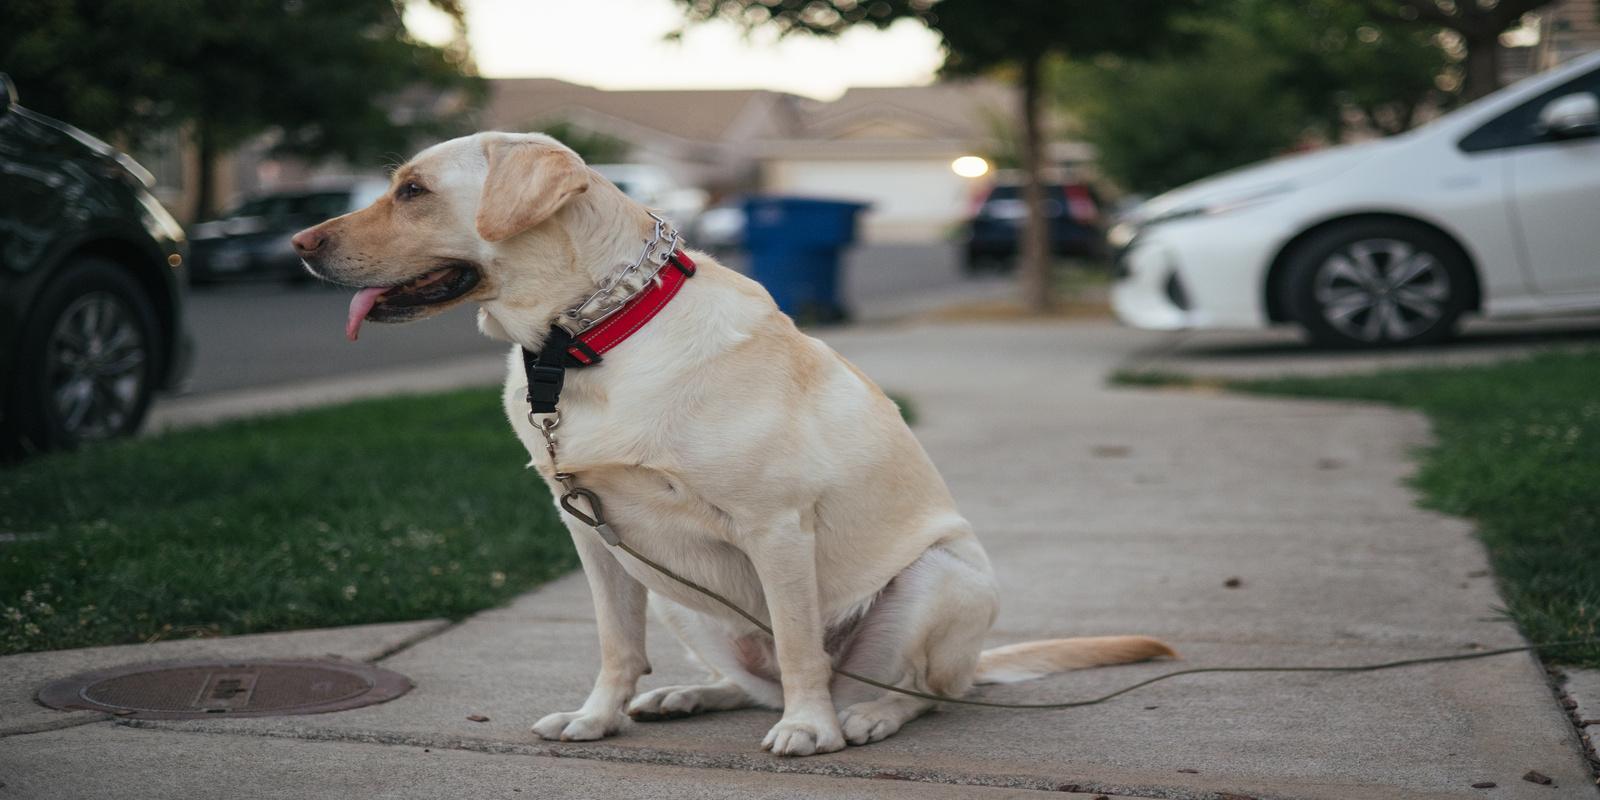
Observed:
{"x":1104,"y":510}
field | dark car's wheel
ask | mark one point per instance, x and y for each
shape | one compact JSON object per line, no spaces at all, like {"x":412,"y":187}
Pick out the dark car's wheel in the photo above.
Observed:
{"x":1377,"y":283}
{"x":86,"y":361}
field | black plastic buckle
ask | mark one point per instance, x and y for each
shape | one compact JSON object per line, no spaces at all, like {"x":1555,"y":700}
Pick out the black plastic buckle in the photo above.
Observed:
{"x":683,"y":264}
{"x":544,"y":387}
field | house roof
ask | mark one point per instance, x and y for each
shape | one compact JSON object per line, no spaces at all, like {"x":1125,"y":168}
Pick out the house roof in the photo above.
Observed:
{"x":712,"y":125}
{"x":956,"y":110}
{"x":952,"y":110}
{"x":695,"y":115}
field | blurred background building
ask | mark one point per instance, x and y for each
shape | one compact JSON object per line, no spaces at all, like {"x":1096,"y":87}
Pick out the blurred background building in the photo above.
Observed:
{"x":1563,"y":31}
{"x":889,"y":146}
{"x":1568,"y":29}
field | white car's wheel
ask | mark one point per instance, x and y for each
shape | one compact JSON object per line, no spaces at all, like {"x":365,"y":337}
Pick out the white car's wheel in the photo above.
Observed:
{"x":1377,"y":283}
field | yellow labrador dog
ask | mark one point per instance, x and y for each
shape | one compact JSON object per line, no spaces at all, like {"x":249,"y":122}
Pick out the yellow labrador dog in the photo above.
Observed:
{"x":727,"y":446}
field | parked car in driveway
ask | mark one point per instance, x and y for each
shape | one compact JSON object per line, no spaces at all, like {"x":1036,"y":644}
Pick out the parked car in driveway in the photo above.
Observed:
{"x":1489,"y":210}
{"x":655,"y":187}
{"x":720,"y":228}
{"x":251,"y":240}
{"x":993,"y":232}
{"x":91,"y":287}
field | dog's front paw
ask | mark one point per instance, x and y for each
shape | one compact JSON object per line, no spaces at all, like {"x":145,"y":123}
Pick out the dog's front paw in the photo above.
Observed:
{"x":804,"y":736}
{"x":576,"y":726}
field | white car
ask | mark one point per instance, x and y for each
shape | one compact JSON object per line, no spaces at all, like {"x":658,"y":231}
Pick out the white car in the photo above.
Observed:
{"x":1492,"y":209}
{"x":656,"y":189}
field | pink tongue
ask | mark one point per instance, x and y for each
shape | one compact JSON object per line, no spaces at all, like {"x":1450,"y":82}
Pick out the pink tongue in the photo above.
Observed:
{"x":360,"y":306}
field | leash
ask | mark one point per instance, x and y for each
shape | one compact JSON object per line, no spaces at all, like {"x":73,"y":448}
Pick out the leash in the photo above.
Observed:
{"x":562,"y":349}
{"x":597,"y":521}
{"x":595,"y":518}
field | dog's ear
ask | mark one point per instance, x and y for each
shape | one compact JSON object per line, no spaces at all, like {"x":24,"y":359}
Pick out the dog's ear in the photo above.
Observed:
{"x":527,"y":182}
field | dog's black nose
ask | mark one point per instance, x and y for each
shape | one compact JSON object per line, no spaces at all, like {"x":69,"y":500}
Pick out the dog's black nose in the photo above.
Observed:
{"x":308,"y":241}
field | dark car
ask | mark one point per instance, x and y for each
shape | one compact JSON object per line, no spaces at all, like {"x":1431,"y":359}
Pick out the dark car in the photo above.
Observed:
{"x":251,"y":241}
{"x":995,"y":229}
{"x":91,"y":287}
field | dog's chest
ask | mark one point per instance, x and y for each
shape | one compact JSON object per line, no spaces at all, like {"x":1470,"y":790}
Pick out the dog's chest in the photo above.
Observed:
{"x":660,"y":511}
{"x":663,"y":518}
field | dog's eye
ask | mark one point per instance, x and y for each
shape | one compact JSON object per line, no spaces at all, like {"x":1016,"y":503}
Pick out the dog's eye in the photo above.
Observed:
{"x":408,"y":190}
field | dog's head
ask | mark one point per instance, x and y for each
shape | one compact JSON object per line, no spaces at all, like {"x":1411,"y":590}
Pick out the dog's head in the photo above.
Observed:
{"x":471,"y":219}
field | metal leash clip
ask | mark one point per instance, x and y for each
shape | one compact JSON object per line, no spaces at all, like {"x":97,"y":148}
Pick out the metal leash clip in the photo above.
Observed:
{"x":598,"y":521}
{"x":547,"y":427}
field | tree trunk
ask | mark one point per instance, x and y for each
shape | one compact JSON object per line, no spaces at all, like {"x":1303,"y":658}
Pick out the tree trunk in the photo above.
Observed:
{"x":1034,"y":268}
{"x":1335,"y":124}
{"x":1482,"y":71}
{"x":205,"y":179}
{"x":1408,"y":115}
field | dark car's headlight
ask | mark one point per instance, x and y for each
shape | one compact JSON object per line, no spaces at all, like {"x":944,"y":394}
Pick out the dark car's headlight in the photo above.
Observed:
{"x":159,"y":219}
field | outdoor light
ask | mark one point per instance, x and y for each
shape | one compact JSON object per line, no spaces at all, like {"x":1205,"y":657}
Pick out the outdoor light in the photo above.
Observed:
{"x":970,"y":167}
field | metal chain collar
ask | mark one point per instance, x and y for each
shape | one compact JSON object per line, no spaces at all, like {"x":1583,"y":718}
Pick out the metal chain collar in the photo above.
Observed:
{"x":607,"y":300}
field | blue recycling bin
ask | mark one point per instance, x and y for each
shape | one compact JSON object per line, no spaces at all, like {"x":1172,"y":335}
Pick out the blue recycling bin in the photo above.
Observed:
{"x":795,"y":244}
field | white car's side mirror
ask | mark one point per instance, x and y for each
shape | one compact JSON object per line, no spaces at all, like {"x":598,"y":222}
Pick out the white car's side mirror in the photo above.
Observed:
{"x":1570,"y":116}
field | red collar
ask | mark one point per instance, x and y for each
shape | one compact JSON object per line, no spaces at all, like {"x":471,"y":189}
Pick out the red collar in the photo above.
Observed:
{"x":546,"y":370}
{"x":590,"y":345}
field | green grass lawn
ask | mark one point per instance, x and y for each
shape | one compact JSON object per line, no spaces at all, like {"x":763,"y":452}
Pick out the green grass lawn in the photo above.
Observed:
{"x":1518,"y":451}
{"x":377,"y":511}
{"x":394,"y":509}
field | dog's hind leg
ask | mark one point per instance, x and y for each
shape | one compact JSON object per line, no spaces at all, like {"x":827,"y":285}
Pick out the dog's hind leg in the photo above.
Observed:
{"x":924,"y":633}
{"x":732,"y":683}
{"x":676,"y":702}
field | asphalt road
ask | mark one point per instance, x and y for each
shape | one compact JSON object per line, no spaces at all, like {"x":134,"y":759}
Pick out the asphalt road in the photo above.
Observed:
{"x":267,"y":334}
{"x":250,"y":335}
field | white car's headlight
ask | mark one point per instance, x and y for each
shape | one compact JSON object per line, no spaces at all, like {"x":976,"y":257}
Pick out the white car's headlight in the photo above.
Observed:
{"x":1225,"y":204}
{"x":1122,"y":234}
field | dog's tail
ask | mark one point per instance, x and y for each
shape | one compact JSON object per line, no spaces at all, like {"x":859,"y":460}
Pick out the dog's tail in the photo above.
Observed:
{"x":1015,"y":663}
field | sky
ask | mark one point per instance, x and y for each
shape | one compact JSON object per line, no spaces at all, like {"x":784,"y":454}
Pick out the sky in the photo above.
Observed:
{"x":618,"y":44}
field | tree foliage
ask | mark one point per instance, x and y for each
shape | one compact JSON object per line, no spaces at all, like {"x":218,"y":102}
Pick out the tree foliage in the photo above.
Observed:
{"x":1160,"y":124}
{"x":1340,"y":59}
{"x":323,"y":74}
{"x":1478,"y":24}
{"x":1263,"y":77}
{"x":594,"y":147}
{"x":978,"y":34}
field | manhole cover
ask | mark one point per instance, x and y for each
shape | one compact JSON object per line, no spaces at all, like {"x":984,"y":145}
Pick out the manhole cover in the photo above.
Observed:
{"x":256,"y":688}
